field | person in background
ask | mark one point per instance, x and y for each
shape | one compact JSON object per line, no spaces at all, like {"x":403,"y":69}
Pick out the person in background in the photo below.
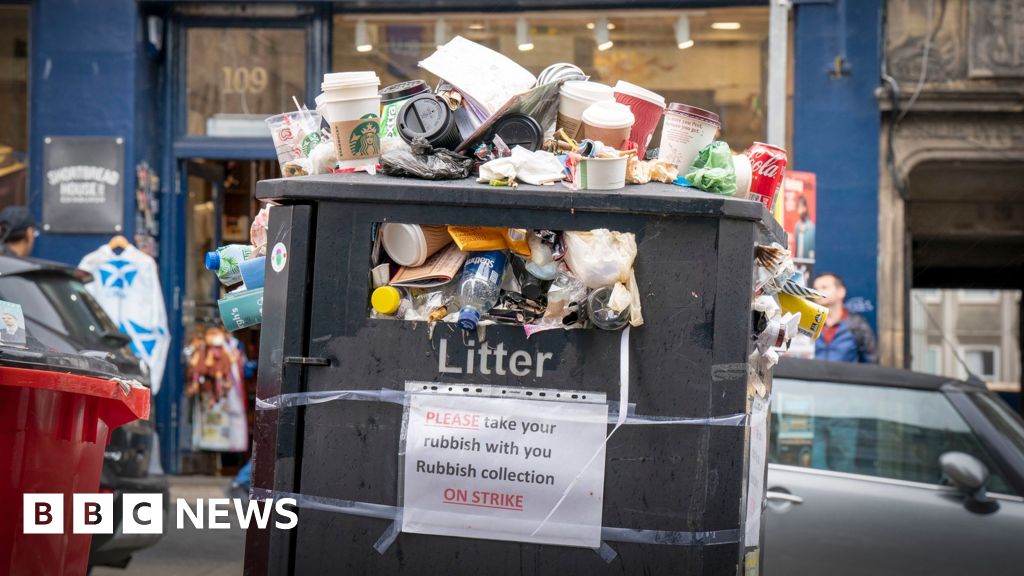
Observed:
{"x":846,"y":337}
{"x":18,"y":231}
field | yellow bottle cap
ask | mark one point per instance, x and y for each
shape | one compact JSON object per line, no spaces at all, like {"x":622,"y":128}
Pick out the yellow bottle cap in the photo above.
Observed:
{"x":386,"y":300}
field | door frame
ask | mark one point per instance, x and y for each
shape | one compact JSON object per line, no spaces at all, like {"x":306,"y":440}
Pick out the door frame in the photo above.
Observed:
{"x":181,"y":149}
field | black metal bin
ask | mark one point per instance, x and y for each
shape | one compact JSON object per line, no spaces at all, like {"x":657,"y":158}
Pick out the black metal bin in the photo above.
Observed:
{"x":695,"y":272}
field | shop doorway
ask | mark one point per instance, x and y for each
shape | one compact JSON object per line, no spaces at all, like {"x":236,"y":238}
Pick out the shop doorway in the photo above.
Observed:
{"x":219,"y":367}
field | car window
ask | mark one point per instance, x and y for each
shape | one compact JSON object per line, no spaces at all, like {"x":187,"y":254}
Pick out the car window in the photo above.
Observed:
{"x":58,"y":311}
{"x":1005,"y":420}
{"x":876,"y":431}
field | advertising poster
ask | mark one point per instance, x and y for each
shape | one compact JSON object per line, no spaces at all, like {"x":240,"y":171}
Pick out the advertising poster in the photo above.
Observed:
{"x":797,"y":213}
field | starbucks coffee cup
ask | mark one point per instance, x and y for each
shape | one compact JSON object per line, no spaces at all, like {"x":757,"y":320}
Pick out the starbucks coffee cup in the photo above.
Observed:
{"x":412,"y":244}
{"x":351,"y":106}
{"x":608,"y":122}
{"x":574,"y":97}
{"x":647,"y":107}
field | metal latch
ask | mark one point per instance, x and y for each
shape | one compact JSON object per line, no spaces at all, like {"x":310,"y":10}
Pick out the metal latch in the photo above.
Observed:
{"x":307,"y":361}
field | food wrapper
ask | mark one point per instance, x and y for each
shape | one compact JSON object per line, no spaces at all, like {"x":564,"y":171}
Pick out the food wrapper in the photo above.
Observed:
{"x":483,"y":238}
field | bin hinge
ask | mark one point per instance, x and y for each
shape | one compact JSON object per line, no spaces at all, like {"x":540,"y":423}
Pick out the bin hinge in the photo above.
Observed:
{"x":307,"y":361}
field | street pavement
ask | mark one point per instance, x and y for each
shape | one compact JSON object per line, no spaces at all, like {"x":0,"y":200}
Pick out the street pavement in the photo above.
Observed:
{"x":190,"y":552}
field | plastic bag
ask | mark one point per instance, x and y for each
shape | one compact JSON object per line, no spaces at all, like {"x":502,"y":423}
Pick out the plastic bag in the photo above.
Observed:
{"x":600,"y":257}
{"x":713,"y":170}
{"x":426,"y":162}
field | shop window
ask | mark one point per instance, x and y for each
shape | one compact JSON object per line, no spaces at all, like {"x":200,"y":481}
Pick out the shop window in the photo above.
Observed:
{"x":979,"y":296}
{"x":236,"y":77}
{"x":13,"y":103}
{"x":721,"y":70}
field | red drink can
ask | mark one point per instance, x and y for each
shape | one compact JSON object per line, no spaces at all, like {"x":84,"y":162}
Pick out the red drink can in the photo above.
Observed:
{"x":767,"y":171}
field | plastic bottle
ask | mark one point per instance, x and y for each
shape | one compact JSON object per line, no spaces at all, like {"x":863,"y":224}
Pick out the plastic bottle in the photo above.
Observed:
{"x":390,"y":301}
{"x":224,"y":261}
{"x":479,"y":286}
{"x":529,"y":285}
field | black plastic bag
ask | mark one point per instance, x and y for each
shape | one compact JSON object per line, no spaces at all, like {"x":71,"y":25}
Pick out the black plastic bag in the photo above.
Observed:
{"x":425,"y":162}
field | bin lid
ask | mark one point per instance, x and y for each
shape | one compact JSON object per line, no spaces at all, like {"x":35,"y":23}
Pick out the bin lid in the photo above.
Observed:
{"x":666,"y":200}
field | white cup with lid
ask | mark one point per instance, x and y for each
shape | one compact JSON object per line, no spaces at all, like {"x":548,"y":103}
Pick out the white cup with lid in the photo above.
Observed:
{"x":351,"y":105}
{"x":608,"y":122}
{"x":412,"y":244}
{"x":574,"y":97}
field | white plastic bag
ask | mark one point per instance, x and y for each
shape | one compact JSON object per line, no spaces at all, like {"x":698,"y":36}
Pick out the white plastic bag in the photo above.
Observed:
{"x":600,"y":257}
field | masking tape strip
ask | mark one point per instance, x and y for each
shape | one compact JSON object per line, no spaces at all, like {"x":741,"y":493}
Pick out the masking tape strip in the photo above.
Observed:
{"x":623,"y":410}
{"x":725,"y":372}
{"x":295,"y":399}
{"x":394,"y":513}
{"x":390,"y":535}
{"x":606,"y":552}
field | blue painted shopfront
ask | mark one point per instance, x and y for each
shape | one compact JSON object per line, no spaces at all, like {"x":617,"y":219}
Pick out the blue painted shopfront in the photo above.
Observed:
{"x":94,"y":71}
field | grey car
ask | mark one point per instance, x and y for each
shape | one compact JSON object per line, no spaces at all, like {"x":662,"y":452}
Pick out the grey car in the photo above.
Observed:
{"x":882,"y":471}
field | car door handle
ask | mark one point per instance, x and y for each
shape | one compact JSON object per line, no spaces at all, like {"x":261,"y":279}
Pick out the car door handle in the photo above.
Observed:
{"x":785,"y":497}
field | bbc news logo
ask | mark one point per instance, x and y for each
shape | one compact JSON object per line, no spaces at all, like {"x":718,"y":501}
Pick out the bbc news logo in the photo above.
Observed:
{"x":144,"y":513}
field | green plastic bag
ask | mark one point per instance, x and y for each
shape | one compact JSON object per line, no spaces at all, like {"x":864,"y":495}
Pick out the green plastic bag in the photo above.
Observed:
{"x":713,"y":170}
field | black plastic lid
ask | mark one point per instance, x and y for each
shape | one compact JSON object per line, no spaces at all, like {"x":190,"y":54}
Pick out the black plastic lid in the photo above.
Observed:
{"x":519,"y":130}
{"x":403,"y":90}
{"x":424,"y":116}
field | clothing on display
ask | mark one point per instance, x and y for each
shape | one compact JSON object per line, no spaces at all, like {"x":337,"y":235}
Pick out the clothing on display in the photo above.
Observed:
{"x":216,"y":364}
{"x":127,"y":286}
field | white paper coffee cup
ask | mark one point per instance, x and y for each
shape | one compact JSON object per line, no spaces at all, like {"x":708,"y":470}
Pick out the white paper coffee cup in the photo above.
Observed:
{"x":412,"y":244}
{"x":351,"y":106}
{"x":574,"y":97}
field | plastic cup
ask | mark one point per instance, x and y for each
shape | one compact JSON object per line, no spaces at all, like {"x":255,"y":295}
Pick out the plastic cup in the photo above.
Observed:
{"x":743,"y":174}
{"x":686,"y":131}
{"x":601,"y":173}
{"x":412,"y":244}
{"x":351,"y":105}
{"x":294,"y":134}
{"x":647,"y":108}
{"x":574,"y":97}
{"x":608,"y":122}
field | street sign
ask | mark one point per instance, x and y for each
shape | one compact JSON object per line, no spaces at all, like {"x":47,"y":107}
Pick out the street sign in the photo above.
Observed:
{"x":83,"y":185}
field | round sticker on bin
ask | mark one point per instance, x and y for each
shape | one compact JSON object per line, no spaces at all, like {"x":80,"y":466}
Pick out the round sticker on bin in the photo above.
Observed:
{"x":278,"y":257}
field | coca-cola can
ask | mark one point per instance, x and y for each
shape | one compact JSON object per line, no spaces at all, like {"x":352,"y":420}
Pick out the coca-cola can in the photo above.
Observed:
{"x":767,"y":171}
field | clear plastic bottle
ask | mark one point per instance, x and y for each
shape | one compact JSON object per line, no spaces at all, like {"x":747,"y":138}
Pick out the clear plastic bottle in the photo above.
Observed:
{"x":479,"y":286}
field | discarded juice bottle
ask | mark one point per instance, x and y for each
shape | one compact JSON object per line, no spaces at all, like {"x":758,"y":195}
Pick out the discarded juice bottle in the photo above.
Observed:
{"x":479,"y":286}
{"x":529,"y":285}
{"x":225,"y":260}
{"x":390,"y":301}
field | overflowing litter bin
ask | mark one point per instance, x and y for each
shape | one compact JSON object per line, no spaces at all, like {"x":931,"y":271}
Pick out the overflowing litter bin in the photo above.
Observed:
{"x":338,"y":390}
{"x":56,"y":415}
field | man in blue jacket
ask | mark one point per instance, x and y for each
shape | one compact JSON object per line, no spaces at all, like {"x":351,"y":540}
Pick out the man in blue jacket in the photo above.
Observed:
{"x":846,"y":337}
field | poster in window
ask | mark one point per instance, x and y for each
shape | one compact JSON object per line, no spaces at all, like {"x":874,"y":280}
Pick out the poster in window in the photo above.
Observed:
{"x":83,"y":185}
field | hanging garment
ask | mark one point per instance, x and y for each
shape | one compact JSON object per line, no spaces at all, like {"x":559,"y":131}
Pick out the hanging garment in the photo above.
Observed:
{"x":127,"y":286}
{"x":216,"y":362}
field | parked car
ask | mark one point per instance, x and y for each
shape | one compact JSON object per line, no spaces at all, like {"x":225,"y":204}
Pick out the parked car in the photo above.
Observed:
{"x":62,"y":318}
{"x":882,"y":471}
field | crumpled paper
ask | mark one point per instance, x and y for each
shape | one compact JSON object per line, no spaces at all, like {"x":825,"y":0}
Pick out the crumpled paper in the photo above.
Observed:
{"x":536,"y":168}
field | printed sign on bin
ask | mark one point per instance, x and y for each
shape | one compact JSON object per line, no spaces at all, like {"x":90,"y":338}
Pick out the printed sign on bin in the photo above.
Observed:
{"x":498,"y":468}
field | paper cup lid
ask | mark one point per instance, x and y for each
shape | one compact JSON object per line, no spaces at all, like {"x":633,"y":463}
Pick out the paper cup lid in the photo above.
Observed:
{"x":403,"y":90}
{"x":343,"y":80}
{"x":623,"y":87}
{"x":696,"y":112}
{"x":405,"y":243}
{"x":608,"y":115}
{"x":587,"y":91}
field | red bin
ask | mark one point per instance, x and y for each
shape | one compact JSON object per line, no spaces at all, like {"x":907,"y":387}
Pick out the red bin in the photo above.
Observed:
{"x":54,"y":427}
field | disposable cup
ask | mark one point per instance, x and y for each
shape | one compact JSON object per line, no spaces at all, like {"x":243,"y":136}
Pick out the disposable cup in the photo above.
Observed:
{"x":601,"y":173}
{"x":812,"y":314}
{"x":741,"y":162}
{"x":294,"y":134}
{"x":574,"y":97}
{"x":351,"y":105}
{"x":608,"y":122}
{"x":686,"y":131}
{"x":412,"y":244}
{"x":647,"y":108}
